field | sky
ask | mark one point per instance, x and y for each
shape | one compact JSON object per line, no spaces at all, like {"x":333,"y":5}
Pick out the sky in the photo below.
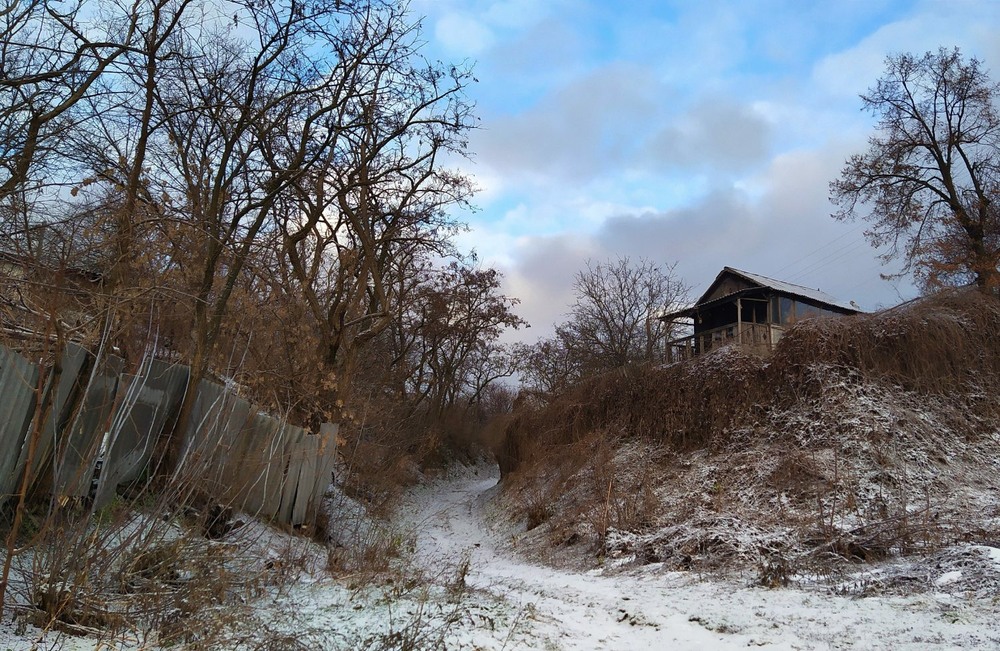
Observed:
{"x":701,"y":133}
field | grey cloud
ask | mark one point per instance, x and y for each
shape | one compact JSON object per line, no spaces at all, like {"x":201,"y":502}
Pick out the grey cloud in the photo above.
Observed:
{"x":717,"y":133}
{"x":616,"y":119}
{"x":787,"y":234}
{"x":715,"y":224}
{"x":543,"y":279}
{"x":553,"y":261}
{"x":544,"y":50}
{"x":585,"y":128}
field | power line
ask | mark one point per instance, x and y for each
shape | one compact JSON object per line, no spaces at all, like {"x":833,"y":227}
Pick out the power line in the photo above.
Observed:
{"x":834,"y":256}
{"x":821,"y":247}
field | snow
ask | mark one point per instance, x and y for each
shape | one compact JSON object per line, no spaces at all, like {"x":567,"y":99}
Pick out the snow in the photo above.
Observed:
{"x":470,"y":589}
{"x":992,"y":552}
{"x":948,"y":577}
{"x":649,"y":608}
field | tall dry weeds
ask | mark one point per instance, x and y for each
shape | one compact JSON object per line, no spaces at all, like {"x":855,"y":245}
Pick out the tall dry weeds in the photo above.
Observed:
{"x":945,"y":345}
{"x":847,"y":435}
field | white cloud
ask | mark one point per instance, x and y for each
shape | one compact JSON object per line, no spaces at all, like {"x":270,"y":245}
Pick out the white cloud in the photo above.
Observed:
{"x":705,"y":133}
{"x":785,"y":232}
{"x":520,"y":13}
{"x":579,"y":131}
{"x":934,"y":25}
{"x":462,"y":35}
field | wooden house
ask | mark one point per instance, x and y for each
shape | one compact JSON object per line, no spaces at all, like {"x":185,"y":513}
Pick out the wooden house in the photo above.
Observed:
{"x":741,"y":308}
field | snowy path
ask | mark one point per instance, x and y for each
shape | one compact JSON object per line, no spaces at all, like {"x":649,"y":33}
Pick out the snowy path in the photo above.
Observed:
{"x":558,"y":609}
{"x":512,"y":605}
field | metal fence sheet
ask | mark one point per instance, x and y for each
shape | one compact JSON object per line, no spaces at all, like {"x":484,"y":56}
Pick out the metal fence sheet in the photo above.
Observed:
{"x":293,"y":467}
{"x":63,"y":397}
{"x":255,"y":462}
{"x":18,"y":382}
{"x":259,"y":479}
{"x":146,"y":404}
{"x":217,"y":417}
{"x":326,"y":458}
{"x":308,"y":451}
{"x":244,"y":463}
{"x":77,"y":452}
{"x":229,"y":445}
{"x":277,"y":464}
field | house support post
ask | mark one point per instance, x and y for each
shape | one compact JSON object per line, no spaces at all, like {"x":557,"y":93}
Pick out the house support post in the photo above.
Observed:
{"x":739,"y":321}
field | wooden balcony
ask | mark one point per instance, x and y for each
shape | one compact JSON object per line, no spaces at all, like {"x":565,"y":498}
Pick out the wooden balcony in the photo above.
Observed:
{"x":758,"y":337}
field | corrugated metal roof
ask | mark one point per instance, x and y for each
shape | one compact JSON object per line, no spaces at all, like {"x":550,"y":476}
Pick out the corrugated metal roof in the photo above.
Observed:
{"x":763,"y":281}
{"x":792,"y":288}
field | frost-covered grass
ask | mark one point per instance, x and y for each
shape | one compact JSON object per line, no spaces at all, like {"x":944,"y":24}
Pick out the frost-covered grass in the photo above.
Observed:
{"x":462,"y":582}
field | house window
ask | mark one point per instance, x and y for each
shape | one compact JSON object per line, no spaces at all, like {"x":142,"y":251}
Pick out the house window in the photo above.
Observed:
{"x":787,"y":311}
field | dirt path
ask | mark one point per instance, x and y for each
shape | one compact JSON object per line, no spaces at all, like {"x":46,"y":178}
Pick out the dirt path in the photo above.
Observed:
{"x":562,"y":610}
{"x":653,"y":609}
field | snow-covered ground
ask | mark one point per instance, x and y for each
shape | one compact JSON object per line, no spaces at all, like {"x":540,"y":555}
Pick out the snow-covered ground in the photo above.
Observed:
{"x":470,"y":590}
{"x":655,"y":609}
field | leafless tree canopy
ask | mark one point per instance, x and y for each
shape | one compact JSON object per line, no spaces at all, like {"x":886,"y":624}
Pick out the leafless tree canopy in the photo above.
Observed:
{"x":929,"y":181}
{"x":612,"y":323}
{"x":266,"y":189}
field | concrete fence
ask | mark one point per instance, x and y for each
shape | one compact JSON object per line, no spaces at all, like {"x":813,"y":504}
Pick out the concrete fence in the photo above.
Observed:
{"x":98,"y":434}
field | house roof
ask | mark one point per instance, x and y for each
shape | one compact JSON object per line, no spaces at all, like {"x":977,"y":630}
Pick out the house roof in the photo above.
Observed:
{"x":792,"y":289}
{"x":47,"y":247}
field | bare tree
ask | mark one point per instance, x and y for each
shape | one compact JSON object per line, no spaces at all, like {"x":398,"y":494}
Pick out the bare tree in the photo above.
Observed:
{"x":461,"y":314}
{"x":50,"y":61}
{"x":614,"y":319}
{"x":548,"y":366}
{"x":358,"y":230}
{"x":613,"y":323}
{"x":289,"y":158}
{"x":928,"y":183}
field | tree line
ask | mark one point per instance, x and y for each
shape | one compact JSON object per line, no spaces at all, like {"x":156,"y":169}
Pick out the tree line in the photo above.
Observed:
{"x":267,"y":191}
{"x":264,"y":190}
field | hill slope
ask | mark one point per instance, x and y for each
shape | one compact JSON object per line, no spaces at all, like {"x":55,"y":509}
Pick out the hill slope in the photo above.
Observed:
{"x":859,"y":439}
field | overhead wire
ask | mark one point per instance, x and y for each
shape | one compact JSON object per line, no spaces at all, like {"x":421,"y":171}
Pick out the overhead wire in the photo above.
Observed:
{"x":830,"y":258}
{"x":820,"y":248}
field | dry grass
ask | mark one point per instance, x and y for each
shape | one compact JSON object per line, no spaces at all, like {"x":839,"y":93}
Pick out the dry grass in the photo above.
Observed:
{"x":390,"y":448}
{"x":945,"y":345}
{"x":858,"y":438}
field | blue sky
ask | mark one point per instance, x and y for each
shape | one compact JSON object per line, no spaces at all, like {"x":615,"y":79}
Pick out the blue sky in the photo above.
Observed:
{"x":702,"y":133}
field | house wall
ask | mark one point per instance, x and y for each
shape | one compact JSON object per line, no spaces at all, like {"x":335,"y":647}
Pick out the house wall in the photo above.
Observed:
{"x":778,"y":309}
{"x":792,"y":310}
{"x":728,"y":285}
{"x":715,"y":317}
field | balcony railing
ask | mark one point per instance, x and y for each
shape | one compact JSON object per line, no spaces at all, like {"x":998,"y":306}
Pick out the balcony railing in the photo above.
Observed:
{"x":759,"y":337}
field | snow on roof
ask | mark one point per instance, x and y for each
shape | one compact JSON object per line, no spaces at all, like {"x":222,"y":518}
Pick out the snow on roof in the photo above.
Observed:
{"x":791,"y":288}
